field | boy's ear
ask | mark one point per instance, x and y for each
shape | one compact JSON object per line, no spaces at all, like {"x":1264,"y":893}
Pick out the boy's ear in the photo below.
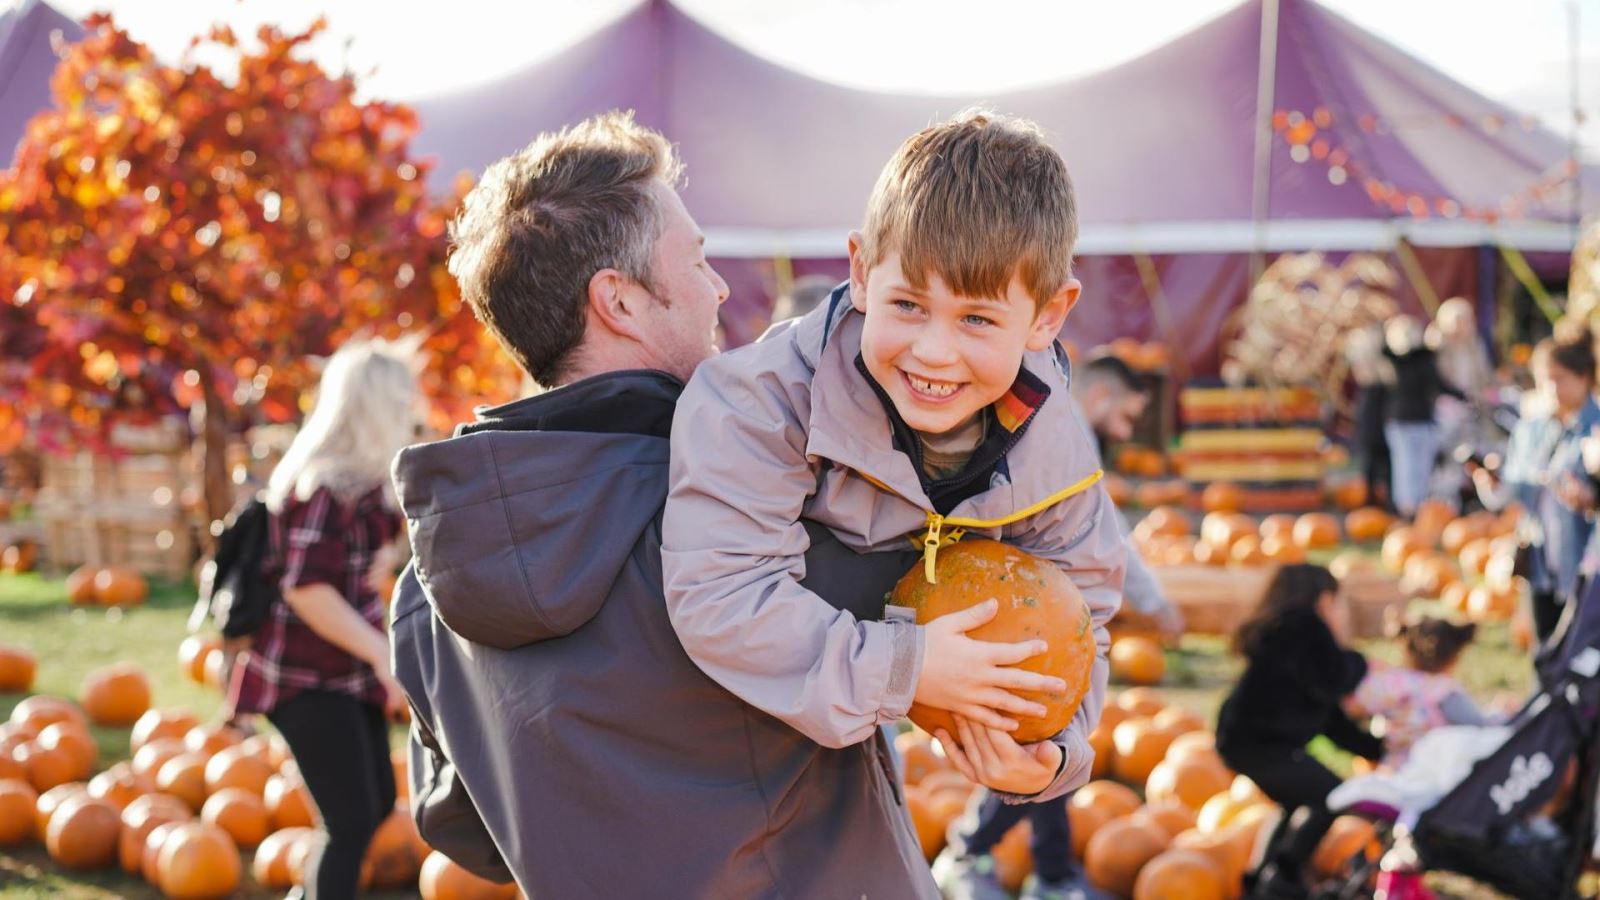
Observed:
{"x":858,"y":271}
{"x":1048,"y":320}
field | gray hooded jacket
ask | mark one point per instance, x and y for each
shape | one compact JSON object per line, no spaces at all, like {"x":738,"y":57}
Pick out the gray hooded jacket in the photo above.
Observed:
{"x":561,"y":735}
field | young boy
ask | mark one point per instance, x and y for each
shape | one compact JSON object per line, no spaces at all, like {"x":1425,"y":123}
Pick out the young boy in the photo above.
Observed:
{"x":926,"y":399}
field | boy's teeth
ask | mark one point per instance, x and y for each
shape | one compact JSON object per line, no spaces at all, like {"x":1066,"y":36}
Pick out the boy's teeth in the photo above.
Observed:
{"x":929,"y":387}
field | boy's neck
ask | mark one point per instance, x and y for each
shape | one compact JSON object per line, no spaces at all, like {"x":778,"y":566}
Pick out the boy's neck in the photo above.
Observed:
{"x":964,"y":438}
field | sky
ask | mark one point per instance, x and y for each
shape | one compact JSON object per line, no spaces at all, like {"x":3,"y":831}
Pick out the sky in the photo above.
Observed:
{"x":1519,"y":53}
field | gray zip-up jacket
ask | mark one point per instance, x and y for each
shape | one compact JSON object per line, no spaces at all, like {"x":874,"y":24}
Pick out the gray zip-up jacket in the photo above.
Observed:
{"x":788,"y":430}
{"x":561,"y":734}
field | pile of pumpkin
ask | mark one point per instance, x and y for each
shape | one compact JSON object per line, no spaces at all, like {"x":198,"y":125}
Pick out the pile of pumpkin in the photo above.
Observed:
{"x":1191,"y":834}
{"x":92,"y":585}
{"x":191,"y":798}
{"x":1165,"y":537}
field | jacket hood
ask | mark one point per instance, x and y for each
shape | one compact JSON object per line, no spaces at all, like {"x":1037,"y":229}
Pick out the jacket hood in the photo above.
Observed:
{"x":521,"y":522}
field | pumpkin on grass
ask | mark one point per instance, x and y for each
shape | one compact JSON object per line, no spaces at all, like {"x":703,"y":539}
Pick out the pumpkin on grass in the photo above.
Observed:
{"x":239,"y":813}
{"x":17,"y":668}
{"x":119,"y":586}
{"x":1094,"y":805}
{"x":73,"y":740}
{"x":161,"y":723}
{"x":140,"y":818}
{"x":1113,"y":857}
{"x":235,"y":767}
{"x":442,"y":879}
{"x":1138,"y":660}
{"x":17,"y":802}
{"x":116,"y":695}
{"x":288,"y":802}
{"x":192,"y":652}
{"x":39,"y":712}
{"x":1180,"y":874}
{"x":1190,"y":781}
{"x":198,"y":862}
{"x":50,"y":801}
{"x":83,"y":833}
{"x":1037,"y":601}
{"x":120,"y":785}
{"x":270,"y":866}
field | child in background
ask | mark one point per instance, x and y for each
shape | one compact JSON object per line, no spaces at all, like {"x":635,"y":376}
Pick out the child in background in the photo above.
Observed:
{"x":1298,"y":672}
{"x":1407,"y":701}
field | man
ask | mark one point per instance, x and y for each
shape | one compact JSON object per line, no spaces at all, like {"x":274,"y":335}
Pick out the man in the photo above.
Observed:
{"x":1113,"y":400}
{"x":562,"y":737}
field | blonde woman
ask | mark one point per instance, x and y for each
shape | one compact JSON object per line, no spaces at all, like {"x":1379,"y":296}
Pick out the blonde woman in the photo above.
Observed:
{"x":319,"y":666}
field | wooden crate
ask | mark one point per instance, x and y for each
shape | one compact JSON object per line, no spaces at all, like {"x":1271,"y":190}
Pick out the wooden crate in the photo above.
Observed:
{"x":1217,"y":600}
{"x":117,"y":511}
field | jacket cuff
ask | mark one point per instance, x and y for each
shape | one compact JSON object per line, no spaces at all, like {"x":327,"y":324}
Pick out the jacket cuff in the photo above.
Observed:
{"x":905,"y":667}
{"x":1077,"y":762}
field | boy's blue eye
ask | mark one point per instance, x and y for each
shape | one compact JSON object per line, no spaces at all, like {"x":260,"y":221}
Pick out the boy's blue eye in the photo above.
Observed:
{"x":978,"y":320}
{"x":904,"y":305}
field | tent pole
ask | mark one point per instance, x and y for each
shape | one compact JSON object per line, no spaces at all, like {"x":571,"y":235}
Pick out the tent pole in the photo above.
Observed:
{"x":1266,"y":82}
{"x":1574,"y":175}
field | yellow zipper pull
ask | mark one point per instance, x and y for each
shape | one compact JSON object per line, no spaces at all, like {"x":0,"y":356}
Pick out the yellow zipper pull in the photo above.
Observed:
{"x":930,"y":545}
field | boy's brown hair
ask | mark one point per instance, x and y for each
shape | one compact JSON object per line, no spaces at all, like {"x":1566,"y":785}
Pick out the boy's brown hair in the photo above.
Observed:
{"x":541,"y":222}
{"x":976,"y":200}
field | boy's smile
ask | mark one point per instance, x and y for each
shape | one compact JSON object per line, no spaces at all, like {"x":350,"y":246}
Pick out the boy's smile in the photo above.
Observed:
{"x":941,"y":356}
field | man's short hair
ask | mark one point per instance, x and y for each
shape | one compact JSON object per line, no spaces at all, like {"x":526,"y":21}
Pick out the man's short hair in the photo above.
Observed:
{"x":541,"y":222}
{"x":1107,"y":369}
{"x":976,"y":200}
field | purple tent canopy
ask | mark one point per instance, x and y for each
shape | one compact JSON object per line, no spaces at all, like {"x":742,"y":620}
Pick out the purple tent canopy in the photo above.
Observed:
{"x":1161,"y":148}
{"x":29,"y":35}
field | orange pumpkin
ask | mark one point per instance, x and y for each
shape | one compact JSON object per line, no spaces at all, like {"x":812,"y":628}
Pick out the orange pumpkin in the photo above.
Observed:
{"x":147,"y":762}
{"x":1222,"y":496}
{"x":139,"y":818}
{"x":10,"y":768}
{"x":1138,"y":660}
{"x":198,"y":862}
{"x":1118,"y":488}
{"x":1013,"y":857}
{"x":1485,"y":604}
{"x":1166,"y":520}
{"x":1139,"y":701}
{"x":1282,"y":549}
{"x":119,"y":586}
{"x":917,"y":758}
{"x":116,"y":695}
{"x":80,"y":585}
{"x":1180,"y":874}
{"x":1400,"y":545}
{"x":1316,"y":531}
{"x":192,"y":652}
{"x":1346,"y":837}
{"x":288,"y":802}
{"x":1367,"y":524}
{"x":1431,"y":518}
{"x":1140,"y":746}
{"x":1116,"y":799}
{"x":17,"y":802}
{"x":1223,"y":530}
{"x":52,"y":800}
{"x":270,"y":866}
{"x":1426,"y":574}
{"x":83,"y":833}
{"x":1349,"y":493}
{"x":1104,"y":750}
{"x":184,"y":777}
{"x":19,"y":557}
{"x":1189,"y":781}
{"x":233,"y":767}
{"x":1221,"y":810}
{"x":1179,"y":721}
{"x":1459,"y":533}
{"x":1474,"y":556}
{"x":150,"y":858}
{"x":1037,"y":601}
{"x":1173,"y":817}
{"x":240,"y":813}
{"x":1455,"y":597}
{"x":47,"y":768}
{"x":211,"y":739}
{"x":39,"y":712}
{"x":1228,"y":855}
{"x":1198,"y":744}
{"x":119,"y":786}
{"x":73,"y":740}
{"x":1247,"y":552}
{"x":442,"y":879}
{"x":161,"y":723}
{"x":17,"y":668}
{"x":1119,"y":850}
{"x":1277,"y":524}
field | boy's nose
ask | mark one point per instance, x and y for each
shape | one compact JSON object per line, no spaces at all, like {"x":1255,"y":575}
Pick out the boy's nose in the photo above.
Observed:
{"x":934,"y":347}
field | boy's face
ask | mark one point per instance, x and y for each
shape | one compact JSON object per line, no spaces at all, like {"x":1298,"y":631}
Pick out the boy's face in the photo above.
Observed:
{"x":942,"y":357}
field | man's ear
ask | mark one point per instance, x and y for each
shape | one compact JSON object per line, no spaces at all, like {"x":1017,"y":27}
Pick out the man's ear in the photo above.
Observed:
{"x":1048,"y":320}
{"x":858,"y":271}
{"x":613,"y":303}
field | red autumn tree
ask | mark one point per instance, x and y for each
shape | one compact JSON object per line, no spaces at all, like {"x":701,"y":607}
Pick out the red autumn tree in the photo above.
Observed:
{"x":178,"y":237}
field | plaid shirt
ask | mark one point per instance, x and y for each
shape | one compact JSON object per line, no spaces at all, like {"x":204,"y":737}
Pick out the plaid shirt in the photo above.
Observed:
{"x":315,"y":541}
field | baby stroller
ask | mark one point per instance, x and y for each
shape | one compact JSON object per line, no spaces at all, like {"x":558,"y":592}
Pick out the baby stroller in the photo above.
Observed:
{"x":1487,"y":825}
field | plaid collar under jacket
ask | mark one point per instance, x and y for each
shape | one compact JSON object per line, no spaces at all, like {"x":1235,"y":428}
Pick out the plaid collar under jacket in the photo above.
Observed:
{"x":848,"y":426}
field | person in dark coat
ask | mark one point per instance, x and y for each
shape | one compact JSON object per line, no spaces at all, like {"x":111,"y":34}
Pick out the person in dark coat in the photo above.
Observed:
{"x":1410,"y":427}
{"x":1297,"y":671}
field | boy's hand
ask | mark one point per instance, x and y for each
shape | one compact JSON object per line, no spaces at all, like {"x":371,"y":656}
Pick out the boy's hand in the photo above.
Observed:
{"x":996,"y":761}
{"x":975,"y":678}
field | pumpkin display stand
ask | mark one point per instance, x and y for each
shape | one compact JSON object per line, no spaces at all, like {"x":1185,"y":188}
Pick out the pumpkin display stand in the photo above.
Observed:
{"x":1217,"y":599}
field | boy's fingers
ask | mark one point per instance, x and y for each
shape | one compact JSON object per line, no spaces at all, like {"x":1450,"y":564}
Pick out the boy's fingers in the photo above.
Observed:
{"x":973,"y":616}
{"x":1011,"y":654}
{"x":953,"y":753}
{"x":989,"y":717}
{"x":1022,"y":680}
{"x":1004,"y":701}
{"x":969,"y":743}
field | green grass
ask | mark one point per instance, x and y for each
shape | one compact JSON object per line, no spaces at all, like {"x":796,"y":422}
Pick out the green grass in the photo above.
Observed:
{"x":70,"y":642}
